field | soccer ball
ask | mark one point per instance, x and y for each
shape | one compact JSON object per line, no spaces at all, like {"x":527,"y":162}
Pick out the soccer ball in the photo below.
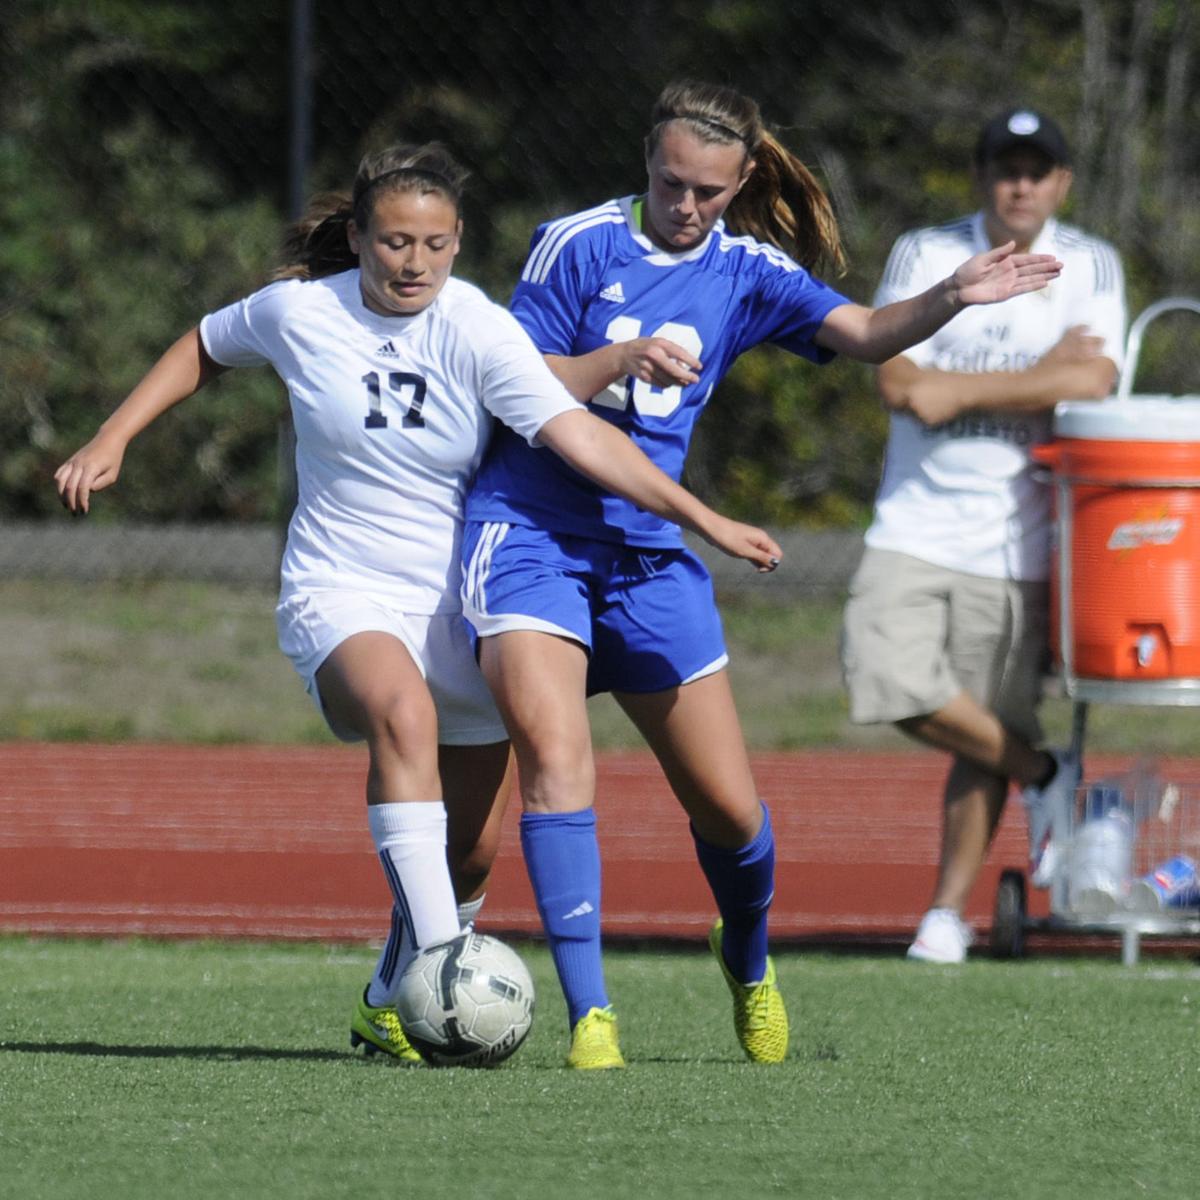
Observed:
{"x":467,"y":1002}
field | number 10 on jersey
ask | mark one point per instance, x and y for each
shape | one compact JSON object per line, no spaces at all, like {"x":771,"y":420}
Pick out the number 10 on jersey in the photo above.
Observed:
{"x":645,"y":397}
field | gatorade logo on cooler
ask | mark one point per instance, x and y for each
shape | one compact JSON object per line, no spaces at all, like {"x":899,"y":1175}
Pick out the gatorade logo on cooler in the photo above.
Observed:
{"x":1129,"y":535}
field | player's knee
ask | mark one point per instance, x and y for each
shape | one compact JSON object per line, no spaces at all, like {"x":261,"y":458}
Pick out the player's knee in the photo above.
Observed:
{"x":403,"y":727}
{"x":556,"y":777}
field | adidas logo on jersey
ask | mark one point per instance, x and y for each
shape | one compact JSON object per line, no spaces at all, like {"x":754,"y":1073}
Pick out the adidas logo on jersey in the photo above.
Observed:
{"x":613,"y":292}
{"x":387,"y":350}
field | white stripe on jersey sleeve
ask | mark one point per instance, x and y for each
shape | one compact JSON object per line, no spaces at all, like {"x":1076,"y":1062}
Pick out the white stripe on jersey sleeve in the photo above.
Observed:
{"x":897,"y":273}
{"x":1106,"y":266}
{"x":772,"y":254}
{"x":560,"y":232}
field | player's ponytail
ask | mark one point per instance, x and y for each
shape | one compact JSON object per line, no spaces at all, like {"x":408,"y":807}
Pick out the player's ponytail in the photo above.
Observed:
{"x":780,"y":203}
{"x":783,"y":204}
{"x":317,"y":245}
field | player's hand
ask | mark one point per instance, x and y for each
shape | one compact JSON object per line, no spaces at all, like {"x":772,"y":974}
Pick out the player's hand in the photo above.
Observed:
{"x":745,"y":541}
{"x":1000,"y":274}
{"x":1077,"y":345}
{"x":89,"y":470}
{"x":660,"y":362}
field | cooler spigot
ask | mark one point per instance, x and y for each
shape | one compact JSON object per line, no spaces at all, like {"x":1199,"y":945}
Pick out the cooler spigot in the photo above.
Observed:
{"x":1147,"y":643}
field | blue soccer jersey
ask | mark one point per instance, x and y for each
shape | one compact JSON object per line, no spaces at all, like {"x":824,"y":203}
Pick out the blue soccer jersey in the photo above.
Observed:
{"x":592,"y":279}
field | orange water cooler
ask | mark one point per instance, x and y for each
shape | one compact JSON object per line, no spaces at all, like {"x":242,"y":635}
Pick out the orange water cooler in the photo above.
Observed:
{"x":1125,"y":616}
{"x":1125,"y":587}
{"x":1125,"y":574}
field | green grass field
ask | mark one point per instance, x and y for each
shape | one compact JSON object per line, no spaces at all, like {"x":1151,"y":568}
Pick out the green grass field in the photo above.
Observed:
{"x":141,"y":1069}
{"x":192,"y":662}
{"x":188,"y":1070}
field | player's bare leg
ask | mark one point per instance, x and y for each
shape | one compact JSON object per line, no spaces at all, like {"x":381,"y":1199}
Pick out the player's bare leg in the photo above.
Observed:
{"x":477,"y":784}
{"x":370,"y":685}
{"x":696,"y":736}
{"x":539,"y":682}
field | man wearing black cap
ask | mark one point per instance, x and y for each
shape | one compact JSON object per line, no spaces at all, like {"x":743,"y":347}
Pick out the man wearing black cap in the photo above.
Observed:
{"x":945,"y":629}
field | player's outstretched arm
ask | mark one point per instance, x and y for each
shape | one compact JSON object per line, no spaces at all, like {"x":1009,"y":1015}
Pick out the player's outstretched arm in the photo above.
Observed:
{"x":606,"y":456}
{"x":182,"y":370}
{"x":877,"y":334}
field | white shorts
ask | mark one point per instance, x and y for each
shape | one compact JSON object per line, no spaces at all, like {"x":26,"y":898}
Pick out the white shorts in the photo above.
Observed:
{"x":312,"y":625}
{"x":915,"y":635}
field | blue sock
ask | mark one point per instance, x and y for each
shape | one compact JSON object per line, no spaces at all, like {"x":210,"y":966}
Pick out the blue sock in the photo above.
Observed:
{"x":562,"y":857}
{"x":743,"y":885}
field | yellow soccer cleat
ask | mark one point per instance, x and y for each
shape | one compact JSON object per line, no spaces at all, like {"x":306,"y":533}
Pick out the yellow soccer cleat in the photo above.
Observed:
{"x":378,"y":1031}
{"x":758,"y":1012}
{"x":594,"y":1045}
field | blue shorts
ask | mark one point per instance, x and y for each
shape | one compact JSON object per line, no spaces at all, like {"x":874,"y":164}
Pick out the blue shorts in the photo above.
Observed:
{"x":647,"y":617}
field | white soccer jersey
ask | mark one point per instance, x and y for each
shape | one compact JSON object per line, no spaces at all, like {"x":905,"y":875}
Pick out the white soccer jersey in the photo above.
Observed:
{"x":392,"y":417}
{"x":963,"y":494}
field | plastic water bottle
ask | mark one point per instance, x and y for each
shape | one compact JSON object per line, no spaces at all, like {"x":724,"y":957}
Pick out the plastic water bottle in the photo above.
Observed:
{"x":1139,"y":791}
{"x":1102,"y":798}
{"x":1101,"y":860}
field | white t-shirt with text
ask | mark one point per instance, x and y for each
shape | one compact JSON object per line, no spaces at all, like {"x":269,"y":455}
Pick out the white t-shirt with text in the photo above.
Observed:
{"x":963,"y":494}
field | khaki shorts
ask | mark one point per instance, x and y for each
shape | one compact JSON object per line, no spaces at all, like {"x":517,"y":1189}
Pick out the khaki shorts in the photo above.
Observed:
{"x":311,"y":625}
{"x":915,"y":635}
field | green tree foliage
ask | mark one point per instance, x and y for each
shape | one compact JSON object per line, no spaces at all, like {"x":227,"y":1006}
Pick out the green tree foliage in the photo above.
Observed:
{"x":117,"y":231}
{"x":144,"y":181}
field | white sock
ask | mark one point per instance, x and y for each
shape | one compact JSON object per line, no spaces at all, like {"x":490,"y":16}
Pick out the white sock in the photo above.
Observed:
{"x":411,"y":841}
{"x":468,"y":910}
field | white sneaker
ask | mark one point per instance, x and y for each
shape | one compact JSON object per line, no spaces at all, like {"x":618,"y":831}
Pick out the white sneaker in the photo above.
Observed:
{"x":1048,"y":811}
{"x":942,"y":937}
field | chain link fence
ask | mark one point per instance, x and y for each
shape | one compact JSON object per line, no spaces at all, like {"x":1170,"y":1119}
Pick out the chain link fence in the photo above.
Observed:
{"x":151,"y":152}
{"x":817,"y":563}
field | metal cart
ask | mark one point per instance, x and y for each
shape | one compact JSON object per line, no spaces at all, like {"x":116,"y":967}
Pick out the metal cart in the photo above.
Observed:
{"x":1169,"y":822}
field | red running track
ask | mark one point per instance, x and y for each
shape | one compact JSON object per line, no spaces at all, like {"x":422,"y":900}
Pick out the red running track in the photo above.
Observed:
{"x":251,"y":841}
